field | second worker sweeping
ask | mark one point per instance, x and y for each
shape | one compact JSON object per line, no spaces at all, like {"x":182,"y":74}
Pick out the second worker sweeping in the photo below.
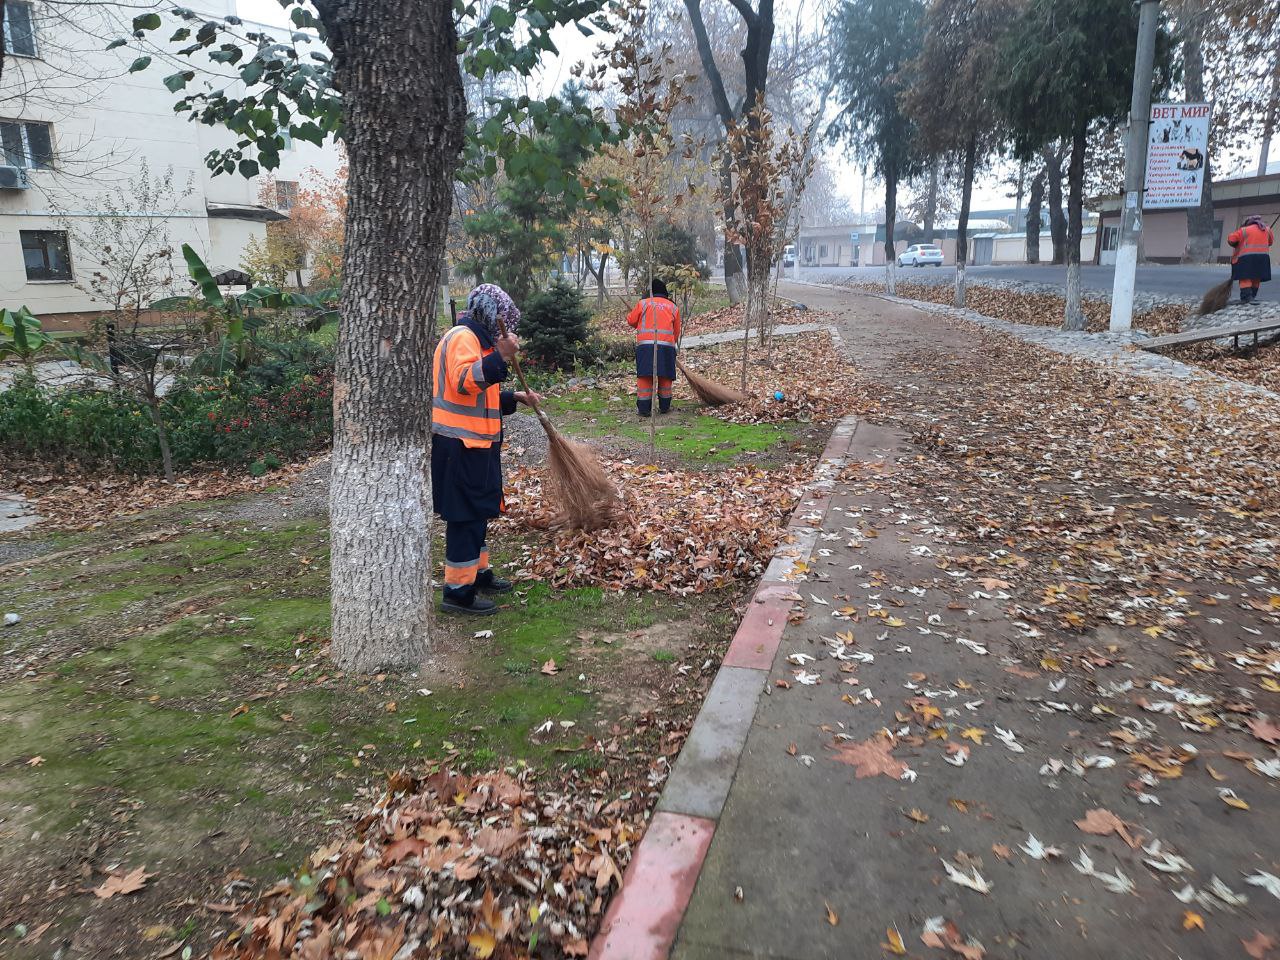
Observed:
{"x":656,"y":320}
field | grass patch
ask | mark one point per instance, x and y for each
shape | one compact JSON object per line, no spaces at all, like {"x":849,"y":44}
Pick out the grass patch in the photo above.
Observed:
{"x":693,"y":436}
{"x":230,"y":716}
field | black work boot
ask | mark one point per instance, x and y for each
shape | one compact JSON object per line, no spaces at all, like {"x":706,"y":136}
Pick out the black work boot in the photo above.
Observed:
{"x":644,"y":407}
{"x":489,"y":582}
{"x":664,"y":406}
{"x":469,"y":603}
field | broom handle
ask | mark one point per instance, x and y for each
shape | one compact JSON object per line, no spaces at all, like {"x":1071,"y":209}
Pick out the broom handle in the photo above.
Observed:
{"x":515,"y":362}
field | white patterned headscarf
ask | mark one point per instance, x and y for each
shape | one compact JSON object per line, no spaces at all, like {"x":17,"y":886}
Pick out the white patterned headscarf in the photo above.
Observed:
{"x":486,"y":303}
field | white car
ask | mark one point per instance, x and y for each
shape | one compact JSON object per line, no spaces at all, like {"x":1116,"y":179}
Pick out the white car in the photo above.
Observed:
{"x":921,"y":254}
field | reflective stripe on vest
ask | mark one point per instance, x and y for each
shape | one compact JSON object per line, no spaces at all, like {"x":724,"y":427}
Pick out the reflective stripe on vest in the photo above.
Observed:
{"x":657,"y":322}
{"x":1254,"y":239}
{"x":476,"y":419}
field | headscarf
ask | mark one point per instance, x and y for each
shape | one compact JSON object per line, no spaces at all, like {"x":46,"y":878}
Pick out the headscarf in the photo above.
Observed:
{"x":1255,"y":219}
{"x":486,"y":303}
{"x":658,"y":288}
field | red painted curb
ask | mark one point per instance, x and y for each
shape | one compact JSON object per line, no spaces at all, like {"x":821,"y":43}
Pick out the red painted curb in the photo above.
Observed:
{"x":645,"y":916}
{"x":760,"y":632}
{"x":643,"y":919}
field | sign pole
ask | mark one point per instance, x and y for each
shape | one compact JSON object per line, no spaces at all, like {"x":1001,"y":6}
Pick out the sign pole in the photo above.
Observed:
{"x":1135,"y":169}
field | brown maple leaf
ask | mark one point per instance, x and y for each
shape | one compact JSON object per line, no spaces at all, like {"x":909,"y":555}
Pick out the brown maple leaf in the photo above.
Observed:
{"x":1259,"y":946}
{"x":869,"y":758}
{"x":1265,"y":730}
{"x":1102,"y":823}
{"x":118,"y":883}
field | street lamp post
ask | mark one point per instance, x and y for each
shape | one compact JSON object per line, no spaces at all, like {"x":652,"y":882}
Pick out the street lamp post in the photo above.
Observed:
{"x":1135,"y":169}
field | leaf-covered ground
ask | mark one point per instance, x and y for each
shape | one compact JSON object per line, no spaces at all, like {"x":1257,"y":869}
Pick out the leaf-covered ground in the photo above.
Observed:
{"x":1034,"y":309}
{"x":1027,"y":702}
{"x":177,"y":740}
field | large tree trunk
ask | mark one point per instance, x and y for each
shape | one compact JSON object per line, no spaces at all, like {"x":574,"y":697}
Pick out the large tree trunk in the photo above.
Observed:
{"x":962,"y":226}
{"x":890,"y":215}
{"x":1200,"y":246}
{"x":1269,"y":124}
{"x":931,"y":204}
{"x":403,"y":134}
{"x":1074,"y":317}
{"x":1057,"y":222}
{"x":735,"y":279}
{"x":1034,"y":201}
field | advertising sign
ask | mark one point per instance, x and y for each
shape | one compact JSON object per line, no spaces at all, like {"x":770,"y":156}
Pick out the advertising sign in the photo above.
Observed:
{"x":1177,"y":153}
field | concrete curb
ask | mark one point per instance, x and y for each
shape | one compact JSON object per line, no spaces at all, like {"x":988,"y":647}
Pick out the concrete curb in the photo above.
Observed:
{"x":645,"y":916}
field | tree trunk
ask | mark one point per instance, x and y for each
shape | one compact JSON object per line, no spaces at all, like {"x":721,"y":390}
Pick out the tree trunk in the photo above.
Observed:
{"x":1269,"y":124}
{"x":600,"y":275}
{"x":1034,"y":201}
{"x":162,"y":435}
{"x":1074,"y":318}
{"x":734,"y":280}
{"x":890,"y":215}
{"x":403,"y":134}
{"x":962,"y":226}
{"x":1057,"y":222}
{"x":1200,"y":247}
{"x":931,"y":204}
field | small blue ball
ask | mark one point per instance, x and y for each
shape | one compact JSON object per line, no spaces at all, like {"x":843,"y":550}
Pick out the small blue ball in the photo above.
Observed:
{"x":777,"y":395}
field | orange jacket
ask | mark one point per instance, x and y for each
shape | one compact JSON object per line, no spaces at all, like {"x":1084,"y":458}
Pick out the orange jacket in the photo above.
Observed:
{"x":466,"y":405}
{"x":1251,"y":238}
{"x":655,"y":318}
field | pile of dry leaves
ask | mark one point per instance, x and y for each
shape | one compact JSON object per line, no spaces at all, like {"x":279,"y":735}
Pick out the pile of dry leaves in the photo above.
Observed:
{"x":816,"y":381}
{"x":1034,"y":309}
{"x":82,"y":502}
{"x":1261,"y":367}
{"x":1092,"y":463}
{"x":680,"y":532}
{"x":454,"y":865}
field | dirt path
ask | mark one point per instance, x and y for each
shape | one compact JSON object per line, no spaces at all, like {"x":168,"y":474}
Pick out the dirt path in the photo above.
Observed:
{"x":1043,"y":590}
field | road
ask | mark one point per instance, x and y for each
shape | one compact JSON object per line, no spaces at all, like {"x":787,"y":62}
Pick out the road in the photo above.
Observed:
{"x":1177,"y":280}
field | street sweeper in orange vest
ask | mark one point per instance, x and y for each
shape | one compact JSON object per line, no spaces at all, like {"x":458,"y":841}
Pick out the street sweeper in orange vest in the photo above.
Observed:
{"x":656,"y":320}
{"x":466,"y":443}
{"x":1251,"y":264}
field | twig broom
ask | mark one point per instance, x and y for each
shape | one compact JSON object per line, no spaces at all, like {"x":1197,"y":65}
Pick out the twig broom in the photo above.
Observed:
{"x":709,"y":392}
{"x":576,"y":481}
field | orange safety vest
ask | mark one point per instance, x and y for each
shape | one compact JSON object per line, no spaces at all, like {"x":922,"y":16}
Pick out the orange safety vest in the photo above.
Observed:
{"x":464,"y":405}
{"x":1253,"y":238}
{"x":655,"y":319}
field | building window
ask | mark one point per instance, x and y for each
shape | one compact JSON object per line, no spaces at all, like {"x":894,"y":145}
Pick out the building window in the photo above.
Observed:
{"x":286,"y":194}
{"x":45,"y":254}
{"x":1110,"y":239}
{"x":19,"y":28}
{"x":27,"y":144}
{"x":822,"y":251}
{"x":1217,"y":234}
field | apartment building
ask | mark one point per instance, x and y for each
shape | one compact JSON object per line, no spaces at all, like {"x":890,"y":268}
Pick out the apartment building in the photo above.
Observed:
{"x":78,"y":131}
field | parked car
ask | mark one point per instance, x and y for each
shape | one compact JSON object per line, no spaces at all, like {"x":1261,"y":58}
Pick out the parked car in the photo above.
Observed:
{"x":789,"y":255}
{"x":920,"y":255}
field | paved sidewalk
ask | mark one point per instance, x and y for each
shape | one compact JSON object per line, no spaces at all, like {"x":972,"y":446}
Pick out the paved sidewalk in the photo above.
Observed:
{"x":735,"y":336}
{"x":897,"y":732}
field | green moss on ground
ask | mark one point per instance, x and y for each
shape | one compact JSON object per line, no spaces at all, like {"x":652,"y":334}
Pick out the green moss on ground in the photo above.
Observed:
{"x":695,"y":437}
{"x":195,"y":688}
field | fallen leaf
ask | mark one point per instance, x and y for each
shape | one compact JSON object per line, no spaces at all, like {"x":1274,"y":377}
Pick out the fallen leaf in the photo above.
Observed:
{"x":971,"y":879}
{"x":1001,"y":851}
{"x":1192,"y":920}
{"x":115,"y":884}
{"x":895,"y":944}
{"x":1259,"y":946}
{"x":1265,"y":730}
{"x":870,"y":758}
{"x":832,"y":918}
{"x":1102,"y":823}
{"x":918,"y":815}
{"x":482,"y":944}
{"x":550,"y":668}
{"x":973,"y":733}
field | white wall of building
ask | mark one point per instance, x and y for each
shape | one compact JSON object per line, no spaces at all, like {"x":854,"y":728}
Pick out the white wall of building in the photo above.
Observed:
{"x":106,"y":124}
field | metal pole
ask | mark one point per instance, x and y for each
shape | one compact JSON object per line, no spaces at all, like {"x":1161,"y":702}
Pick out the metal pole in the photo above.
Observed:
{"x":1135,"y":168}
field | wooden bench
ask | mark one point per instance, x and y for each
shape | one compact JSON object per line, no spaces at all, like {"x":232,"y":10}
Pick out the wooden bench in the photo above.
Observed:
{"x":1157,"y":344}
